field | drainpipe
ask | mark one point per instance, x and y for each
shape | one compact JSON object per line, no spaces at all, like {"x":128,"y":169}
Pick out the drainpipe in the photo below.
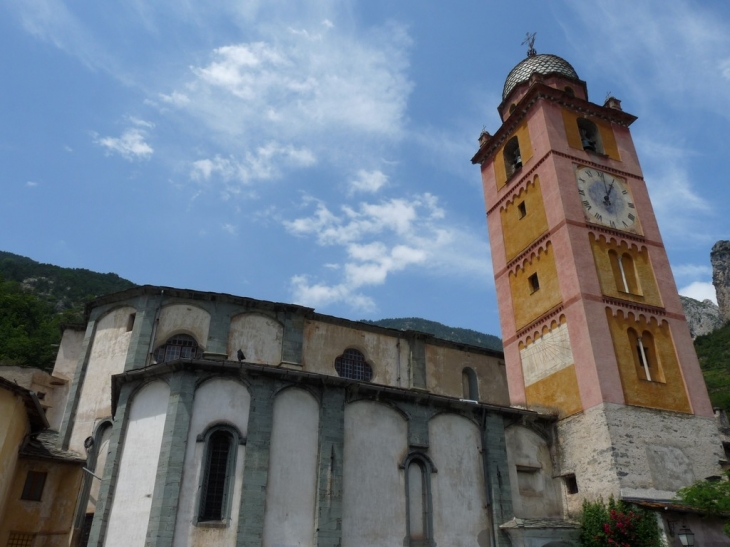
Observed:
{"x":148,"y":359}
{"x":397,"y":345}
{"x":488,"y":478}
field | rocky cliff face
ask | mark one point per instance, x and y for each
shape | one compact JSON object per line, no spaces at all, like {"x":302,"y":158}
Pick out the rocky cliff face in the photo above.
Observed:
{"x":720,"y":258}
{"x":702,"y":317}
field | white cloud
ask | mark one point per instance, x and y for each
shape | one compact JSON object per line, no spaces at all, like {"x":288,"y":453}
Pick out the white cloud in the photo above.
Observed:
{"x":230,"y":229}
{"x":130,"y":145}
{"x":700,"y":290}
{"x":263,"y":163}
{"x":381,"y":239}
{"x":31,"y":184}
{"x":175,"y":98}
{"x":368,"y":181}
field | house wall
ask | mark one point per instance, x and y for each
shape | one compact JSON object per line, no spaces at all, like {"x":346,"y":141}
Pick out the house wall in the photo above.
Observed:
{"x":258,"y":336}
{"x":13,"y":427}
{"x":51,"y":518}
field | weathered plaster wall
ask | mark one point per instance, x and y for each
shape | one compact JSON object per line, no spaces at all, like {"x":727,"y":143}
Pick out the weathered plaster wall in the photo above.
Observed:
{"x":69,"y":351}
{"x":182,"y":319}
{"x":291,"y":490}
{"x":130,"y":510}
{"x":52,"y":391}
{"x":373,"y":505}
{"x":108,"y":355}
{"x":324,"y":342}
{"x":443,"y":370}
{"x":535,"y":493}
{"x":102,"y":451}
{"x":217,"y":401}
{"x":258,"y":336}
{"x":51,"y":517}
{"x":458,"y":493}
{"x":13,"y":427}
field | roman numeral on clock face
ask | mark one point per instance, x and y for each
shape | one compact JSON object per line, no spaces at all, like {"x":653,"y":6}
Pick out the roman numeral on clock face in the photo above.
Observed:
{"x":631,"y":205}
{"x":587,"y":204}
{"x":631,"y":217}
{"x":598,"y":216}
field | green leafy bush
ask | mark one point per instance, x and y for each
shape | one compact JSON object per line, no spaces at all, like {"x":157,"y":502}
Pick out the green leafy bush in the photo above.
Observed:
{"x":618,"y":524}
{"x":710,"y":497}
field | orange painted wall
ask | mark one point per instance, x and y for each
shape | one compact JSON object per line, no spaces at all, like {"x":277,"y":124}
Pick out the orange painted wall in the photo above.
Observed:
{"x":519,"y":231}
{"x":529,"y":305}
{"x":608,"y":139}
{"x":558,"y":392}
{"x":668,"y":395}
{"x":610,"y":277}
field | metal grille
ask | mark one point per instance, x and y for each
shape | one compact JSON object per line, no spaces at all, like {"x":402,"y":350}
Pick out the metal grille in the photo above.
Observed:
{"x":17,"y":539}
{"x":351,"y":364}
{"x":180,"y":346}
{"x":213,"y":495}
{"x":542,"y":64}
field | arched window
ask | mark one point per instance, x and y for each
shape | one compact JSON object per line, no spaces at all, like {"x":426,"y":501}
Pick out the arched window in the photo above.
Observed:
{"x":180,"y":346}
{"x":469,"y":384}
{"x":351,"y":364}
{"x":569,"y":91}
{"x":512,"y":156}
{"x":419,"y":510}
{"x":590,"y":137}
{"x":645,"y":356}
{"x":216,"y":477}
{"x":624,"y":272}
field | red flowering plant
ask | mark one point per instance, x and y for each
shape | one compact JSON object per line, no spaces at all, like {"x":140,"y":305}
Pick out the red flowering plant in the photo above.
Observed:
{"x":618,"y":524}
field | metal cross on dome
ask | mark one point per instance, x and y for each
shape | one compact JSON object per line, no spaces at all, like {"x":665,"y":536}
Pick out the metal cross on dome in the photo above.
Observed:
{"x":530,"y":41}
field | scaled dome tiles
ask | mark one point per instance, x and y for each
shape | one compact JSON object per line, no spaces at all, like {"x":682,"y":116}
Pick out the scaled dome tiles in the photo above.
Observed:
{"x":542,"y":64}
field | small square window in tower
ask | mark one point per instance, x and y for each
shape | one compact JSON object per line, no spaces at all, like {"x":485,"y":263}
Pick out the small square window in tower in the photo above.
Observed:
{"x":521,"y":209}
{"x":534,"y":283}
{"x":571,"y":484}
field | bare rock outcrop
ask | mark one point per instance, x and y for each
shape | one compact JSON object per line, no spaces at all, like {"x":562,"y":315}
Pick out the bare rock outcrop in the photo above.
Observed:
{"x":702,"y":317}
{"x":720,"y":258}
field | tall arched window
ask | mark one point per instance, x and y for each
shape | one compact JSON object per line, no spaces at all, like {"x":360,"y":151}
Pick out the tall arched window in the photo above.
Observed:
{"x":180,"y":346}
{"x":624,"y":272}
{"x":469,"y":384}
{"x":645,"y":356}
{"x":419,"y":510}
{"x":217,"y":473}
{"x":512,"y":156}
{"x":351,"y":364}
{"x":590,"y":137}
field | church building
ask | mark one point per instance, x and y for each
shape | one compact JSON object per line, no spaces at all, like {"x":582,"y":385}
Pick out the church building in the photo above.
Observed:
{"x":213,"y":419}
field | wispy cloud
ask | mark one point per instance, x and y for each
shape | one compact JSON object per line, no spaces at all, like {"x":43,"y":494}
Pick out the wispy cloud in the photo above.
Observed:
{"x":31,"y":184}
{"x":368,"y":181}
{"x":131,"y":145}
{"x":381,"y":239}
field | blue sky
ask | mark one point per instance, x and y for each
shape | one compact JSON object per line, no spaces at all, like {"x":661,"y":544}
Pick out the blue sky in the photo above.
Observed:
{"x":317,"y":152}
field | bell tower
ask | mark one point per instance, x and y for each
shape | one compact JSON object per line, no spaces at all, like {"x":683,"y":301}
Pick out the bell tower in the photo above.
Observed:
{"x":592,"y":324}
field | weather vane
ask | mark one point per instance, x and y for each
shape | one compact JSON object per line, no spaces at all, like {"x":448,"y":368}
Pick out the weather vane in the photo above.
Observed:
{"x":530,"y":41}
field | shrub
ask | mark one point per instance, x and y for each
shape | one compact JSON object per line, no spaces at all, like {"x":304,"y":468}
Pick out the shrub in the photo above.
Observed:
{"x":618,"y":524}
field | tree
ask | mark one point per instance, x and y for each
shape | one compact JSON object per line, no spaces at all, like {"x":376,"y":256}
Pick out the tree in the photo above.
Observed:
{"x":618,"y":524}
{"x":710,"y":497}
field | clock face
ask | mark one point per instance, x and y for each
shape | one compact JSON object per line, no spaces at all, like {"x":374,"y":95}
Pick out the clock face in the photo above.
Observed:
{"x":606,"y":199}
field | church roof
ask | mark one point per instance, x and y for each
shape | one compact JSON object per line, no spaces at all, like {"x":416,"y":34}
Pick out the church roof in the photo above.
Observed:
{"x":542,"y":64}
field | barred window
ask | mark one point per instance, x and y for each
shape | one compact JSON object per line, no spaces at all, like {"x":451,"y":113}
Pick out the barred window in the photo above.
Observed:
{"x":180,"y":346}
{"x":351,"y":364}
{"x":217,"y":476}
{"x":18,"y":539}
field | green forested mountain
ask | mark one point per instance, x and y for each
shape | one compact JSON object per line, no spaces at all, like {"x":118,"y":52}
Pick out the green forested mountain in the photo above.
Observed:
{"x":455,"y":334}
{"x":35,"y":299}
{"x":713,"y":351}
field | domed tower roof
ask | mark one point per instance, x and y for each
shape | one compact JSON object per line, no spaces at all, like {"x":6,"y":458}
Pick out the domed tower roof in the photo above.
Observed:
{"x":542,"y":64}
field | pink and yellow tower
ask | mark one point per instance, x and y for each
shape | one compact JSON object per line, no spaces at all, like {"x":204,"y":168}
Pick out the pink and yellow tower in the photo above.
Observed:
{"x":592,"y":324}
